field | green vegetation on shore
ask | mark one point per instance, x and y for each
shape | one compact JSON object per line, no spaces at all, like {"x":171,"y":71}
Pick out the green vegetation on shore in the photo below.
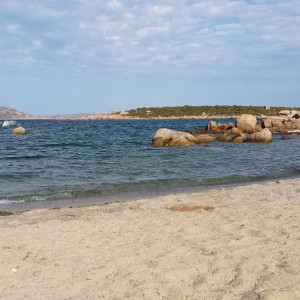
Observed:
{"x":204,"y":111}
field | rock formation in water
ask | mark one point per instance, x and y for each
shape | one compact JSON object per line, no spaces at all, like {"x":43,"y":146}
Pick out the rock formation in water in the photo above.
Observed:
{"x":291,"y":114}
{"x":164,"y":137}
{"x":167,"y":137}
{"x":19,"y":130}
{"x":283,"y":123}
{"x":287,"y":122}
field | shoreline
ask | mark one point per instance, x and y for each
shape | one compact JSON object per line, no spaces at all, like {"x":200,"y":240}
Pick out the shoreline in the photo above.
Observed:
{"x":238,"y":242}
{"x":95,"y":201}
{"x":128,"y":118}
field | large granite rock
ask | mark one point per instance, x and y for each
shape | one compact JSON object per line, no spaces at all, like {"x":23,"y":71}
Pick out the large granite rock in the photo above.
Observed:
{"x":277,"y":123}
{"x":268,"y":122}
{"x":212,"y":126}
{"x":296,"y":124}
{"x":164,"y":137}
{"x":285,"y":112}
{"x":293,"y":113}
{"x":246,"y":123}
{"x":273,"y":122}
{"x":265,"y":136}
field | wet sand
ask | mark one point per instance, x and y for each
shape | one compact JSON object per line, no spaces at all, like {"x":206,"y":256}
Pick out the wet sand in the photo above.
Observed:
{"x":225,"y":243}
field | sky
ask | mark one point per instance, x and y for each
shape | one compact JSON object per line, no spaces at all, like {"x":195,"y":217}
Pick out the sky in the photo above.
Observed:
{"x":83,"y":56}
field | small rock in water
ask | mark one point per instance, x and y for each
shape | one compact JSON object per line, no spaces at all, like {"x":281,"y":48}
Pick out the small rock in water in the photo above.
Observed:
{"x":285,"y":137}
{"x":19,"y":130}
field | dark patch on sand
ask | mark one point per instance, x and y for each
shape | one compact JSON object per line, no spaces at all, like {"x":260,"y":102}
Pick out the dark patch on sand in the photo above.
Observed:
{"x":186,"y":208}
{"x":5,"y":213}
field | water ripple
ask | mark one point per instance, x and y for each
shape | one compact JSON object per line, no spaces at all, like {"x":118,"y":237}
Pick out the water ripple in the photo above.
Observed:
{"x":63,"y":159}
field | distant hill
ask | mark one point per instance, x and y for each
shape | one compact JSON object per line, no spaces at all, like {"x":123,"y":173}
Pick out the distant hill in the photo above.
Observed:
{"x":204,"y":111}
{"x":7,"y":113}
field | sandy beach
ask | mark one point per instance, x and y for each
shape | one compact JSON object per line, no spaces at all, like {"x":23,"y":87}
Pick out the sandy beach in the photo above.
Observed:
{"x":226,"y":243}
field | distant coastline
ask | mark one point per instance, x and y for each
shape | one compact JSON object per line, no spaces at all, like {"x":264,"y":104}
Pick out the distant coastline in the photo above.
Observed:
{"x":153,"y":113}
{"x":118,"y":117}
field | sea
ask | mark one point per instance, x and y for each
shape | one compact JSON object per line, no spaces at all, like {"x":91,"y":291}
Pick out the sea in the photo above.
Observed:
{"x":61,"y":161}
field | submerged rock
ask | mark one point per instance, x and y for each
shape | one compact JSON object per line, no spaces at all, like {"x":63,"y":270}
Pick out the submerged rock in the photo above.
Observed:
{"x":264,"y":136}
{"x":225,"y":137}
{"x":205,"y":138}
{"x":238,"y":139}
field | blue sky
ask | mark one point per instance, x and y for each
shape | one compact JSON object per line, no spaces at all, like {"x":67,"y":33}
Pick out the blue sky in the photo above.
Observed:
{"x":76,"y":56}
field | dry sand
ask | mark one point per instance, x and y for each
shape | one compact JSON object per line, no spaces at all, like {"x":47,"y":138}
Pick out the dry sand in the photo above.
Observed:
{"x":227,"y":243}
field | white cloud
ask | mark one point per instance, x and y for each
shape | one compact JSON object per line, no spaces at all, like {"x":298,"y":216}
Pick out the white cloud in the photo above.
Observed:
{"x":31,"y":10}
{"x":114,"y":38}
{"x":23,"y":51}
{"x":144,"y":32}
{"x":13,"y":27}
{"x":209,"y":8}
{"x":162,"y":57}
{"x":129,"y":17}
{"x":152,"y":49}
{"x":207,"y":34}
{"x":160,"y":9}
{"x":83,"y":25}
{"x":114,"y":4}
{"x":37,"y":44}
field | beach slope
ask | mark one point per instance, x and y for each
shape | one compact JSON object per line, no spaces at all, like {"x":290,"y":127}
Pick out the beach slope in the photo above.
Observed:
{"x":225,"y":243}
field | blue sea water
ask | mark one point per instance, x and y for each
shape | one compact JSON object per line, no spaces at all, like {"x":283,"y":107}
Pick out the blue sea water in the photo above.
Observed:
{"x":88,"y":159}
